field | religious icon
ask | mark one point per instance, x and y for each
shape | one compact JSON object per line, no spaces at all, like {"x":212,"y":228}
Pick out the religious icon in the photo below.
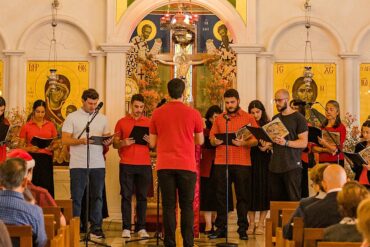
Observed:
{"x":364,"y":91}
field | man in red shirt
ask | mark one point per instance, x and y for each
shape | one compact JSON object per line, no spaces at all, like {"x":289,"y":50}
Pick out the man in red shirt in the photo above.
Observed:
{"x":135,"y":169}
{"x":238,"y":160}
{"x":175,"y":128}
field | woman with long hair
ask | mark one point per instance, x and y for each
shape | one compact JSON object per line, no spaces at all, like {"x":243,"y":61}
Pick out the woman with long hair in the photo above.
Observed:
{"x":328,"y":151}
{"x":39,"y":126}
{"x":260,"y":158}
{"x":3,"y":124}
{"x":362,"y":172}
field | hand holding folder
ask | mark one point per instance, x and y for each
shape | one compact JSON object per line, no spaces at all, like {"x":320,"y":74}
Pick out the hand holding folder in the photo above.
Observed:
{"x":41,"y":142}
{"x":138,"y":133}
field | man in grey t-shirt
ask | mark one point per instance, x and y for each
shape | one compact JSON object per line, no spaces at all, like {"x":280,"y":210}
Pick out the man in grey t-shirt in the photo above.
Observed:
{"x":286,"y":165}
{"x":73,"y":126}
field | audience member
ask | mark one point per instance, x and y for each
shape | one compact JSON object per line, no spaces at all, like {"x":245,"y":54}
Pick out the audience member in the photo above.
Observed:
{"x":316,"y":176}
{"x":363,"y":221}
{"x":324,"y":213}
{"x":348,"y":199}
{"x":14,"y":210}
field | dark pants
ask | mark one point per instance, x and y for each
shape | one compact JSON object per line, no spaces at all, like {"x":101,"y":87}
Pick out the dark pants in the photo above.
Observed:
{"x":241,"y":177}
{"x":184,"y":182}
{"x":286,"y":186}
{"x":138,"y":178}
{"x":43,"y":175}
{"x":78,"y":185}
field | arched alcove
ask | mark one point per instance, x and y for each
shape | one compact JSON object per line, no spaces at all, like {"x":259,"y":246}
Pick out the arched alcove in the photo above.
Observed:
{"x":73,"y":41}
{"x":139,"y":9}
{"x":361,"y":44}
{"x":3,"y":42}
{"x":290,"y":38}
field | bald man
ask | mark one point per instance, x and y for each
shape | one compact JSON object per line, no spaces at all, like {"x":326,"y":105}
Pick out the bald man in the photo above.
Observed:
{"x":325,"y":213}
{"x":285,"y":168}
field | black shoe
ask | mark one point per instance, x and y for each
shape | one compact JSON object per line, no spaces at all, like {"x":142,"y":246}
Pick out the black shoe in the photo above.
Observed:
{"x":243,"y":235}
{"x":97,"y":233}
{"x":219,"y":233}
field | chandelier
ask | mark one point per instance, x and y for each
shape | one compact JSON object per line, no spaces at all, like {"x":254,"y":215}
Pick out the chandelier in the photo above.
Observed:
{"x":53,"y":77}
{"x":182,"y":24}
{"x":308,"y":59}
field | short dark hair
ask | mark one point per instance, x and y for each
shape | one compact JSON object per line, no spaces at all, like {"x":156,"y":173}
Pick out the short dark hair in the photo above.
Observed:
{"x":146,"y":26}
{"x":176,"y":88}
{"x":137,"y":97}
{"x":222,"y":26}
{"x":12,"y":173}
{"x":90,"y":94}
{"x":231,"y":93}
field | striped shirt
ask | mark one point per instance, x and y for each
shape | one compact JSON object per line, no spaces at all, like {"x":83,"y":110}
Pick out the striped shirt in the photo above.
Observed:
{"x":236,"y":155}
{"x":14,"y":210}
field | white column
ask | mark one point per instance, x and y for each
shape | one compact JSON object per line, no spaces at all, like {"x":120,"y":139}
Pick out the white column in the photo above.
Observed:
{"x":264,"y":79}
{"x":246,"y":72}
{"x":115,"y":109}
{"x":13,"y":92}
{"x":349,"y":92}
{"x":99,"y":72}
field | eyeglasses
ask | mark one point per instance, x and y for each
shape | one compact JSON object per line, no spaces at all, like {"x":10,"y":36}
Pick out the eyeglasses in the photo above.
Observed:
{"x":279,"y":100}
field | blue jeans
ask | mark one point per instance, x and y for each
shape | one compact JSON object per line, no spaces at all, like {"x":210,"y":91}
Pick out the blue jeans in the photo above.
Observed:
{"x":78,"y":185}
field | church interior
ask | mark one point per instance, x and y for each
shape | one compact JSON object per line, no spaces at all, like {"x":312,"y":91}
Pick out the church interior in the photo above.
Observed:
{"x":316,"y":50}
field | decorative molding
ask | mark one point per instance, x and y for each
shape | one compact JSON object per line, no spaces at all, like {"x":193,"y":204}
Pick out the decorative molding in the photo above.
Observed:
{"x":116,"y":48}
{"x":13,"y":53}
{"x":247,"y":48}
{"x":348,"y":55}
{"x":96,"y":53}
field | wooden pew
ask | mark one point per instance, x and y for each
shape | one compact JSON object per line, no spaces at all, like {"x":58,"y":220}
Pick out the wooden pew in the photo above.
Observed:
{"x":49,"y":227}
{"x":65,"y":232}
{"x":297,"y":240}
{"x":339,"y":244}
{"x":23,"y":233}
{"x":67,"y":209}
{"x":311,"y":236}
{"x":286,"y":214}
{"x":56,"y":212}
{"x":277,"y":218}
{"x":57,"y":241}
{"x":74,"y":231}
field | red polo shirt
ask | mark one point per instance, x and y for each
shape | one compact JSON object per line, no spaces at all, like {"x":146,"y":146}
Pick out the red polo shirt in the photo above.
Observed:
{"x":134,"y":154}
{"x":30,"y":129}
{"x":236,"y":155}
{"x":174,"y":124}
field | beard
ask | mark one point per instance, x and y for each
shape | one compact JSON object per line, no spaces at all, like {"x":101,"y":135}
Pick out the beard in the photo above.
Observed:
{"x":233,"y":111}
{"x":283,"y":108}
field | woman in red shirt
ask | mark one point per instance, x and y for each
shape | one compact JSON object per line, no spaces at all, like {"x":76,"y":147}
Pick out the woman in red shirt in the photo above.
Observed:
{"x":40,"y":127}
{"x":3,"y":122}
{"x":328,"y":151}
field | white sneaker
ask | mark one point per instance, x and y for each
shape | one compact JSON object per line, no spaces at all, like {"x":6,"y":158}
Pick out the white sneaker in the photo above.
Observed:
{"x":143,"y":234}
{"x":126,"y":233}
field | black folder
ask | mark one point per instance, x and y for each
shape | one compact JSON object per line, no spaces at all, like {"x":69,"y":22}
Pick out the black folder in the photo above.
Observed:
{"x":41,"y":142}
{"x":4,"y":128}
{"x":98,"y":140}
{"x":356,"y":158}
{"x":222,"y":136}
{"x":138,"y":133}
{"x":259,"y":133}
{"x":313,"y":134}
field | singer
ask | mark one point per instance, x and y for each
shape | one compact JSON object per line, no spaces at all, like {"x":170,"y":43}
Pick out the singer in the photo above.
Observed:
{"x":239,"y":162}
{"x":73,"y":126}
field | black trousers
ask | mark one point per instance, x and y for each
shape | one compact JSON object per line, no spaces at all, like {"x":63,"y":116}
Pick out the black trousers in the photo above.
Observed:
{"x":286,"y":186}
{"x":43,"y":175}
{"x":241,"y":177}
{"x":134,"y":178}
{"x":183,"y":182}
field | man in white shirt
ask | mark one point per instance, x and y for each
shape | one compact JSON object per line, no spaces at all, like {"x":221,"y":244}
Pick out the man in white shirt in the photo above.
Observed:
{"x":73,"y":126}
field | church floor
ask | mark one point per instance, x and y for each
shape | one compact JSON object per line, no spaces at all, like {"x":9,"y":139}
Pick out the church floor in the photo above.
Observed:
{"x":113,"y":237}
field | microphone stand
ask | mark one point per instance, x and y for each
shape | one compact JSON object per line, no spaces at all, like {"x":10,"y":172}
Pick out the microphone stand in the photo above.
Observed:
{"x":324,"y":127}
{"x":227,"y":244}
{"x":87,"y":129}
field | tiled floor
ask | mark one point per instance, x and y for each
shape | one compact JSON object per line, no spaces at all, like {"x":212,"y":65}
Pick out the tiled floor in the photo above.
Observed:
{"x":113,"y":237}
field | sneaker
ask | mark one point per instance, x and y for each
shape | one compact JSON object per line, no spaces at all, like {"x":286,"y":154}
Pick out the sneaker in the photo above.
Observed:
{"x":97,"y":233}
{"x":250,"y":230}
{"x":143,"y":234}
{"x":126,"y":233}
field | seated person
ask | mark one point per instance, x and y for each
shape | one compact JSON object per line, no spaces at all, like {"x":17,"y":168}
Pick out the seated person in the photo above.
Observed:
{"x":316,"y":176}
{"x":14,"y":210}
{"x":363,"y":221}
{"x":39,"y":196}
{"x":4,"y":236}
{"x":348,"y":199}
{"x":324,"y":213}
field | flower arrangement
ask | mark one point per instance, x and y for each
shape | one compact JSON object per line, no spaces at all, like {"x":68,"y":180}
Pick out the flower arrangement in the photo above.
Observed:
{"x":150,"y":86}
{"x":17,"y":118}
